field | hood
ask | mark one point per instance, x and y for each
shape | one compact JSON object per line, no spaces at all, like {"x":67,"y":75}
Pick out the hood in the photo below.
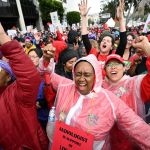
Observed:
{"x":97,"y":68}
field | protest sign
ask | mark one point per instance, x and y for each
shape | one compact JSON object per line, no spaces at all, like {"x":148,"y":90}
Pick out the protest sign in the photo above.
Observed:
{"x":54,"y":18}
{"x":70,"y":138}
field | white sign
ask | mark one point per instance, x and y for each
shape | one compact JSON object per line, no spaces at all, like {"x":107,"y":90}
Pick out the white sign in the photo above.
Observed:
{"x":110,"y":22}
{"x":12,"y":33}
{"x":54,"y":18}
{"x":52,"y":28}
{"x":106,"y":15}
{"x":147,"y":25}
{"x":29,"y":28}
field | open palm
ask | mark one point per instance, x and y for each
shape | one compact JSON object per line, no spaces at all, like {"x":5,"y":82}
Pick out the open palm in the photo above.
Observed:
{"x":83,"y":8}
{"x":120,"y":10}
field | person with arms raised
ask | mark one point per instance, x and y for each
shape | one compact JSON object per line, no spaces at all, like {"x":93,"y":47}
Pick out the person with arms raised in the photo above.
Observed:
{"x":19,"y":127}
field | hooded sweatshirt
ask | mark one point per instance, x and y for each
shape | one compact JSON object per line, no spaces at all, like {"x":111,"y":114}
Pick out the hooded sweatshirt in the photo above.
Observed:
{"x":106,"y":109}
{"x":19,"y":127}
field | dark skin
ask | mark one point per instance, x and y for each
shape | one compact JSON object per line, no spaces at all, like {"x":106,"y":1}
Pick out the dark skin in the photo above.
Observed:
{"x":4,"y":78}
{"x":84,"y":77}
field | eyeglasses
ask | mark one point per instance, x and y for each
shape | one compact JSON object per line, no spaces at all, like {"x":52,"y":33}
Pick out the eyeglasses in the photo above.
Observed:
{"x":112,"y":64}
{"x":130,"y":40}
{"x":33,"y":57}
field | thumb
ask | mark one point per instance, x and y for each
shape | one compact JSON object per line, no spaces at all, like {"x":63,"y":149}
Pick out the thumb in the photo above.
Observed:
{"x":88,"y":10}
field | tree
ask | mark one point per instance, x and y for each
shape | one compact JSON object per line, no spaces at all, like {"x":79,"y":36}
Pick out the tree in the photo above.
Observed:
{"x":128,"y":6}
{"x":111,"y":7}
{"x":47,"y":6}
{"x":90,"y":21}
{"x":73,"y":17}
{"x":147,"y":8}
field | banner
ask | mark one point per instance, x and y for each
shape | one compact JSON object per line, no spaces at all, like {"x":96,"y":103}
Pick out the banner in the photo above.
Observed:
{"x":110,"y":22}
{"x":70,"y":138}
{"x":12,"y":33}
{"x":29,"y":28}
{"x":147,"y":25}
{"x":54,"y":18}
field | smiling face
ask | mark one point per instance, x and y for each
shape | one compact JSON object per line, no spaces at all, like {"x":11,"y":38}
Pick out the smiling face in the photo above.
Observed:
{"x":28,"y":43}
{"x":114,"y":70}
{"x":106,"y":45}
{"x":129,"y":41}
{"x":69,"y":64}
{"x":34,"y":57}
{"x":84,"y":77}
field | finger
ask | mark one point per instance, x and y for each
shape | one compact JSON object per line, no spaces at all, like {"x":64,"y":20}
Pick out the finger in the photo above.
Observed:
{"x":86,"y":3}
{"x":88,"y":10}
{"x":79,"y":6}
{"x":122,"y":1}
{"x":50,"y":52}
{"x":136,"y":45}
{"x":119,"y":3}
{"x":123,"y":5}
{"x":54,"y":49}
{"x":139,"y":39}
{"x":1,"y":28}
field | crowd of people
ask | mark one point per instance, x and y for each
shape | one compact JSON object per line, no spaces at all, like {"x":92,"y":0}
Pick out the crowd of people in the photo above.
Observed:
{"x":96,"y":80}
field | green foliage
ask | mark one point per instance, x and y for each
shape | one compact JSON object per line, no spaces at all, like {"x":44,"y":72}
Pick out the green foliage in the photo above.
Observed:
{"x":47,"y":6}
{"x":111,"y":6}
{"x":129,"y":2}
{"x":90,"y":21}
{"x":73,"y":17}
{"x":147,"y":9}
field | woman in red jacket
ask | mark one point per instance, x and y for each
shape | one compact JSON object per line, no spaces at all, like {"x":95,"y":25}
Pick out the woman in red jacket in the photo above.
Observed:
{"x":19,"y":127}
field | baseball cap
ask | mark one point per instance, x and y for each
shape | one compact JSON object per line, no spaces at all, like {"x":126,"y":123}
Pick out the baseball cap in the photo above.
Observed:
{"x":28,"y":38}
{"x":114,"y":56}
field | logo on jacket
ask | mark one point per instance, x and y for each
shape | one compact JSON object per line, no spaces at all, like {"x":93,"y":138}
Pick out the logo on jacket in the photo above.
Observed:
{"x":92,"y":120}
{"x":120,"y":91}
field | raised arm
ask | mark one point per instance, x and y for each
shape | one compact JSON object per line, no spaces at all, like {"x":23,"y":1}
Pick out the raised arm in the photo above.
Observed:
{"x":83,"y":13}
{"x":47,"y":65}
{"x":27,"y":77}
{"x":123,"y":37}
{"x":143,"y":44}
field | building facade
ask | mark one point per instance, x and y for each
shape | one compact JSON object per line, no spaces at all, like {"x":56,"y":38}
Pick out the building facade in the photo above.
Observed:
{"x":10,"y":13}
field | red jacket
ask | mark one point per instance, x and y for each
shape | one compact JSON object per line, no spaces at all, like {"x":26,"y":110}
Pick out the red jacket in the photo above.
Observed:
{"x":19,"y":127}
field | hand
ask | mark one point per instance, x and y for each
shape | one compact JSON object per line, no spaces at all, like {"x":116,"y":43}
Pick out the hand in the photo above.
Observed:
{"x":120,"y":10}
{"x":4,"y":38}
{"x":83,"y":8}
{"x":1,"y":29}
{"x":142,"y":42}
{"x":38,"y":105}
{"x":75,"y":46}
{"x":37,"y":36}
{"x":48,"y":52}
